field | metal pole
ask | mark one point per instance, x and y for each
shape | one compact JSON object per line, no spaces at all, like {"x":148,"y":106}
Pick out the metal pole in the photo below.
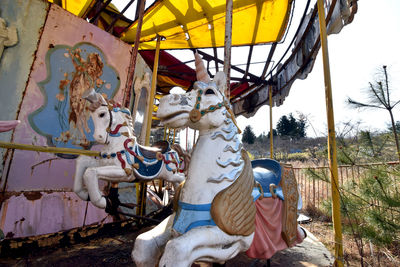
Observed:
{"x":132,"y":65}
{"x":187,"y":135}
{"x":50,"y":149}
{"x":165,"y":133}
{"x":331,"y":139}
{"x":228,"y":47}
{"x":271,"y":134}
{"x":141,"y":191}
{"x":152,"y":92}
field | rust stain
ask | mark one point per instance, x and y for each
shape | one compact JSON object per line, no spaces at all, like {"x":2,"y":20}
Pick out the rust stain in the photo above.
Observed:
{"x":10,"y":235}
{"x":42,"y":162}
{"x":86,"y":75}
{"x":32,"y":195}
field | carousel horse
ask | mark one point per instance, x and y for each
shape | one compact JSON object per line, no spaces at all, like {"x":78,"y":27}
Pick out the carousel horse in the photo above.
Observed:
{"x":121,"y":159}
{"x":219,"y":209}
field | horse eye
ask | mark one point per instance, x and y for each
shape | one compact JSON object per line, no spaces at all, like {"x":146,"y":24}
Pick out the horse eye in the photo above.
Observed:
{"x":210,"y":92}
{"x":101,"y":115}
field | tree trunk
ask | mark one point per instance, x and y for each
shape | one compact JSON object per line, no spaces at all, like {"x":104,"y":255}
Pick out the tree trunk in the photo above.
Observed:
{"x":395,"y":133}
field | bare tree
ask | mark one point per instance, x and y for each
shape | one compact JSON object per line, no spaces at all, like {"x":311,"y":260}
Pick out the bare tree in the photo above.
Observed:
{"x":378,"y":95}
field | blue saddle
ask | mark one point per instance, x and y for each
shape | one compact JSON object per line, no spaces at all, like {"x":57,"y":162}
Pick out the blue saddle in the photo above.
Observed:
{"x":266,"y":172}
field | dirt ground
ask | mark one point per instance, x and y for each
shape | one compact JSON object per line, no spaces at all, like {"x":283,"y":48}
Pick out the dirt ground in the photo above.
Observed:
{"x":115,"y":251}
{"x":323,"y":230}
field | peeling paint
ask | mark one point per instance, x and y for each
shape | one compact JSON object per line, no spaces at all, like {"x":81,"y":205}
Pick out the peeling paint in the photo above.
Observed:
{"x":32,"y":195}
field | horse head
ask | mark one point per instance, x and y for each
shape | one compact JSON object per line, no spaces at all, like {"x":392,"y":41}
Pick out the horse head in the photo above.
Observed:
{"x":107,"y":118}
{"x":202,"y":108}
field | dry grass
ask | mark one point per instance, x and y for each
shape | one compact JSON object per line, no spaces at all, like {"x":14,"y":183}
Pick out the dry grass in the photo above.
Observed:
{"x":322,"y":227}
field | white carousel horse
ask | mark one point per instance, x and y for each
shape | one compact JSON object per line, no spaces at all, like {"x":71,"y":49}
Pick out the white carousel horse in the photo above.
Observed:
{"x":214,"y":218}
{"x":121,"y":159}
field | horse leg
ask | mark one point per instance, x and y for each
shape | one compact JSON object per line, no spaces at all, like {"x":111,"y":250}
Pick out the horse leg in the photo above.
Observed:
{"x":175,"y":178}
{"x":149,"y":245}
{"x":109,"y":173}
{"x":203,"y":243}
{"x":82,"y":163}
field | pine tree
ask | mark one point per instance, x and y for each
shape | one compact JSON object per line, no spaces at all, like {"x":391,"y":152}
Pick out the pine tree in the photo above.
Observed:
{"x":378,"y":95}
{"x":248,"y":135}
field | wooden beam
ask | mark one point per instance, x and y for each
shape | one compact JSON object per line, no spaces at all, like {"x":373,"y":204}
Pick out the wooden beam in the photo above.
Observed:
{"x":132,"y":65}
{"x":228,"y":45}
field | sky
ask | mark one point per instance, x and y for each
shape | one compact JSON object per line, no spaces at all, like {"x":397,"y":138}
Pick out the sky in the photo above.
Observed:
{"x":356,"y":54}
{"x":369,"y":42}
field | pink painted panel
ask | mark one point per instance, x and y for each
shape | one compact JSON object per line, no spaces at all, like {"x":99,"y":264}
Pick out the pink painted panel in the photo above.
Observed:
{"x":44,"y":171}
{"x":52,"y":212}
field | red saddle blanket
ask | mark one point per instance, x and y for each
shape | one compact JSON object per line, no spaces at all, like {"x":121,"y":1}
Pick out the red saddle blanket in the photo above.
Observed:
{"x":267,"y":237}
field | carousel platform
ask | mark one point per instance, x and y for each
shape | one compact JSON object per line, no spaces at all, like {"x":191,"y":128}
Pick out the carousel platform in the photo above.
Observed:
{"x":116,"y":250}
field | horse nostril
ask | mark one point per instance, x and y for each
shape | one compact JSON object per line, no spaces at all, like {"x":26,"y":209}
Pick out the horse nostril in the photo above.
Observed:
{"x":100,"y":136}
{"x":176,"y":97}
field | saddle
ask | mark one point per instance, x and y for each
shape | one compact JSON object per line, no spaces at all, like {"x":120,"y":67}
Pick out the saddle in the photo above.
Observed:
{"x":267,"y":173}
{"x":278,"y":180}
{"x":151,"y":152}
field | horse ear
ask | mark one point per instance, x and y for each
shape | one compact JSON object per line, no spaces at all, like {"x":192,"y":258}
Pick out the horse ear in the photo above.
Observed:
{"x":94,"y":98}
{"x":201,"y":72}
{"x":220,"y":80}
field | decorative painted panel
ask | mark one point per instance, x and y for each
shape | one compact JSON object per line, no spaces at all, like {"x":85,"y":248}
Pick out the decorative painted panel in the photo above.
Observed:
{"x":64,"y":118}
{"x":73,"y":56}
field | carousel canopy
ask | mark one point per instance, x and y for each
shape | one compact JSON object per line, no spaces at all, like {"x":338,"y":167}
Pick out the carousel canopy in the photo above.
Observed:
{"x":201,"y":24}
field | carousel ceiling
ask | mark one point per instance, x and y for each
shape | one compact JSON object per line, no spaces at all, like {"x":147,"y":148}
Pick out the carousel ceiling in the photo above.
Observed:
{"x":200,"y":24}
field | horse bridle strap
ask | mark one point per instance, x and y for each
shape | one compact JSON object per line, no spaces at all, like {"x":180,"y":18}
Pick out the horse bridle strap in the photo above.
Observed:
{"x":196,"y":114}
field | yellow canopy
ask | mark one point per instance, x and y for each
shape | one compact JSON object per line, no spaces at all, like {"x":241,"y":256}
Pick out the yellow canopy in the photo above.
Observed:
{"x":201,"y":23}
{"x":76,"y":7}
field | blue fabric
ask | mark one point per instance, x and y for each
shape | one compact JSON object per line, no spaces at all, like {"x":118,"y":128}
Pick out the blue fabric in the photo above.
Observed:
{"x":189,"y":216}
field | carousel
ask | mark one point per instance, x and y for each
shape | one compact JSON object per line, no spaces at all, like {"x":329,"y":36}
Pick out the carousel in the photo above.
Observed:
{"x":87,"y":115}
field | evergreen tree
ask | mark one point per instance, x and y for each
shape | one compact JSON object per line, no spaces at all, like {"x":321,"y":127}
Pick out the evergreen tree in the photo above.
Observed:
{"x":290,"y":126}
{"x":378,"y":95}
{"x":248,"y":135}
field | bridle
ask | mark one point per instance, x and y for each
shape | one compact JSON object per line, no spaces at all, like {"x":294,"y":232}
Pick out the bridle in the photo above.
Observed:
{"x":114,"y":108}
{"x":195,"y":114}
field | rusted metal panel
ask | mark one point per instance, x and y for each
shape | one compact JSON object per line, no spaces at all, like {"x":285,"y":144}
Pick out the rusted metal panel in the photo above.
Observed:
{"x":70,"y":56}
{"x":44,"y":213}
{"x":73,"y":56}
{"x":16,"y":61}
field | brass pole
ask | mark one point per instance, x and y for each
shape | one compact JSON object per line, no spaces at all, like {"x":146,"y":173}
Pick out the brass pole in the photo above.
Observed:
{"x":141,"y":191}
{"x":271,"y":135}
{"x":187,"y":132}
{"x":50,"y":149}
{"x":165,"y":133}
{"x":173,"y":138}
{"x":331,"y":139}
{"x":152,"y":92}
{"x":194,"y":138}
